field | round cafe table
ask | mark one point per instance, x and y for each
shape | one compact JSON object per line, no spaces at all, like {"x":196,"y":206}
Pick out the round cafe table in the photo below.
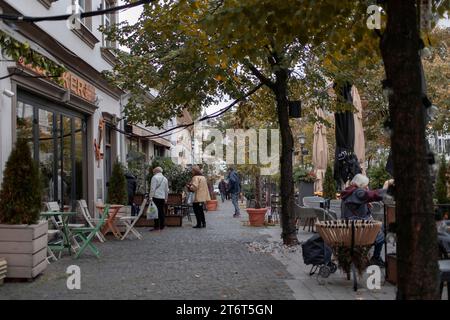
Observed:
{"x":110,"y":223}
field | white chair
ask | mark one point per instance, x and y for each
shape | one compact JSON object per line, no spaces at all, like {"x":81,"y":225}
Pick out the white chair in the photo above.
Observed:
{"x":90,"y":221}
{"x":308,"y":215}
{"x":52,"y":234}
{"x":130,"y":221}
{"x":54,"y":207}
{"x":313,"y":202}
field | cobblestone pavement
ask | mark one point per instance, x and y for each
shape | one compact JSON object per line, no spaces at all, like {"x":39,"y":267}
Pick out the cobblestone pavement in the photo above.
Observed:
{"x":227,"y":260}
{"x":176,"y":263}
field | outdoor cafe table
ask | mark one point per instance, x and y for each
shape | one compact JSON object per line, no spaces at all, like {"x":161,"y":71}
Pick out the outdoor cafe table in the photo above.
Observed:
{"x":110,"y":223}
{"x":65,"y":224}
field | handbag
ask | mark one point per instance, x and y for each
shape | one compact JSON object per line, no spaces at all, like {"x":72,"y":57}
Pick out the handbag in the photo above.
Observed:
{"x":152,"y":212}
{"x":190,"y":198}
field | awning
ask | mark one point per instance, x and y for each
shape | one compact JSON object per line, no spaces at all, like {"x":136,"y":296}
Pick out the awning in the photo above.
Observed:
{"x":139,"y":131}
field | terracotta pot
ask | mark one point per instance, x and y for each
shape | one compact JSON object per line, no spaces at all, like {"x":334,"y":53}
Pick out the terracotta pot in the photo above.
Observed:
{"x":256,"y":217}
{"x":211,"y":205}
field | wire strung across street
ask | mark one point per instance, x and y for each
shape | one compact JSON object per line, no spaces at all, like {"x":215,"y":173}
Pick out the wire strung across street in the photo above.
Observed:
{"x":22,"y":18}
{"x":168,"y":132}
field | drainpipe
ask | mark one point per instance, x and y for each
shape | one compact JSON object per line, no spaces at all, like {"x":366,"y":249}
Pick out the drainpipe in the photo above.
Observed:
{"x":122,"y":155}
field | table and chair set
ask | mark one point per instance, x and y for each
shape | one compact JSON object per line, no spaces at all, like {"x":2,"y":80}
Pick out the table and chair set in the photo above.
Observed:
{"x":75,"y":238}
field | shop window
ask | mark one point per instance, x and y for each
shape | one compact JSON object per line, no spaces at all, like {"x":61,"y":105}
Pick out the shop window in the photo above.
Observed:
{"x":109,"y":19}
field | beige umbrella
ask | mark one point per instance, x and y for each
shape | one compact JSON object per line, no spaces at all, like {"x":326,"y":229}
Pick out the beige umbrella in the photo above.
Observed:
{"x":320,"y":151}
{"x":360,"y":149}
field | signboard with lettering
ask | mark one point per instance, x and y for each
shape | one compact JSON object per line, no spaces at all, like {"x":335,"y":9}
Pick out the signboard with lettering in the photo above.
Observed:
{"x":71,"y":82}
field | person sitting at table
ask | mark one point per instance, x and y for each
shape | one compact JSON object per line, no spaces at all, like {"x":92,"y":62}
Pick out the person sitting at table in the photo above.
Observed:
{"x":355,"y":204}
{"x":159,"y":192}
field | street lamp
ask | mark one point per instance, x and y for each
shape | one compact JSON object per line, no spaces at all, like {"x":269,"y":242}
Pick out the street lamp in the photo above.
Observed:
{"x":302,"y":140}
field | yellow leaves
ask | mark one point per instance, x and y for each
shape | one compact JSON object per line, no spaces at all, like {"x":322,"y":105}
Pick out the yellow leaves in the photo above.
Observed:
{"x":218,"y":77}
{"x":212,"y":60}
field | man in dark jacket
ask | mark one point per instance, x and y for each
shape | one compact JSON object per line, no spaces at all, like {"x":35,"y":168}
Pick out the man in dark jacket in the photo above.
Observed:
{"x":131,"y":190}
{"x":234,"y":187}
{"x":223,"y":189}
{"x":355,"y":204}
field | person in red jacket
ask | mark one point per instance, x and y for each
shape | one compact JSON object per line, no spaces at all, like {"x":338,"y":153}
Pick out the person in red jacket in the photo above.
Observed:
{"x":356,"y":199}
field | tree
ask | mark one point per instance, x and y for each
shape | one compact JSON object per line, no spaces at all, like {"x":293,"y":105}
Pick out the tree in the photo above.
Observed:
{"x":117,"y":189}
{"x":441,"y":183}
{"x":234,"y":46}
{"x":20,"y":195}
{"x":329,"y":185}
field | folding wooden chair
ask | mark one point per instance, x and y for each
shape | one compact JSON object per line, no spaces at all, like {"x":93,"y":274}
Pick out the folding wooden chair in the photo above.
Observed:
{"x":130,"y":221}
{"x":86,"y":234}
{"x":90,"y":221}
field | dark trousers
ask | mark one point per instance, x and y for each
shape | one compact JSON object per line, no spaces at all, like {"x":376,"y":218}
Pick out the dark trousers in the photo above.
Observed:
{"x":199,"y":214}
{"x":159,"y":223}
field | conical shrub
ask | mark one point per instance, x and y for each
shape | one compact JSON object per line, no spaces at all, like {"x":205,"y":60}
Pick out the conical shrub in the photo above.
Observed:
{"x":117,"y":189}
{"x":21,"y":190}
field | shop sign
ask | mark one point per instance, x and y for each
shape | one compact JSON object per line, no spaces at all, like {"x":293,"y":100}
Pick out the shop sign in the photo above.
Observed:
{"x":71,"y":82}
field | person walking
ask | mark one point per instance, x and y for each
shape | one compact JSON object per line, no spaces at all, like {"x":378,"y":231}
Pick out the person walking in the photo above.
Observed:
{"x":223,"y":189}
{"x":159,"y":191}
{"x":234,"y":187}
{"x":355,"y":204}
{"x":199,"y":185}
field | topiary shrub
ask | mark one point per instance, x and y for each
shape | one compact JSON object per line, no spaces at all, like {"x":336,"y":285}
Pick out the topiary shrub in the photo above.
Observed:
{"x":21,"y":190}
{"x":329,"y":185}
{"x":117,"y":189}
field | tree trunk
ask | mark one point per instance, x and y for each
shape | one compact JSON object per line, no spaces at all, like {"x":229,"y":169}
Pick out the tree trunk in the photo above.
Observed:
{"x":417,"y":250}
{"x":287,"y":145}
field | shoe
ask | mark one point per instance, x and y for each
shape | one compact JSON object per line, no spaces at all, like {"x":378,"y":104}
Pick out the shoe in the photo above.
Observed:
{"x":154,"y":229}
{"x":377,"y":261}
{"x":236,"y":215}
{"x":203,"y":225}
{"x":197,"y":226}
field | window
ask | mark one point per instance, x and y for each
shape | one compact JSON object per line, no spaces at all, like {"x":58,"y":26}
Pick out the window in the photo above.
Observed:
{"x":109,"y":19}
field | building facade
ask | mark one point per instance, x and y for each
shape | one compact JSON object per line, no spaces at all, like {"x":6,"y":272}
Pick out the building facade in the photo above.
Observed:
{"x":70,"y":125}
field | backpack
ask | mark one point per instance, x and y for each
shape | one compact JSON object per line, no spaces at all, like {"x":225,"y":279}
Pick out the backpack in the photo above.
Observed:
{"x":315,"y":251}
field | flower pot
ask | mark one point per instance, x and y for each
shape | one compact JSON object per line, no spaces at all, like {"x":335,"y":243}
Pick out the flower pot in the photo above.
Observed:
{"x":256,"y":217}
{"x":24,"y":247}
{"x":211,"y":205}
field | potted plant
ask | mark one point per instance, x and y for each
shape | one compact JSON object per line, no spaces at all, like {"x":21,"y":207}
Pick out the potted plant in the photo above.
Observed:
{"x":256,"y":214}
{"x":117,"y":188}
{"x":329,"y":186}
{"x":211,"y":205}
{"x":138,"y":167}
{"x":305,"y":178}
{"x":23,"y":237}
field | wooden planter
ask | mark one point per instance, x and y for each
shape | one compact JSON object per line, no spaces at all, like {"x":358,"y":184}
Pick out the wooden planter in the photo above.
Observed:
{"x":172,"y":220}
{"x":391,"y":271}
{"x":257,"y":217}
{"x":24,"y":247}
{"x":3,"y":269}
{"x":211,"y":205}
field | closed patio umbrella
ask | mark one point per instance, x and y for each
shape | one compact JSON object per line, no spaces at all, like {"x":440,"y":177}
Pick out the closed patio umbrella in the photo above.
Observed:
{"x":320,"y":151}
{"x":359,"y":147}
{"x":346,"y":164}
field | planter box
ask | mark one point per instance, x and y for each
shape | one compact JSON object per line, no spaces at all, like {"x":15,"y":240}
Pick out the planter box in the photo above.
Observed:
{"x":170,"y":221}
{"x":391,"y":270}
{"x":25,"y":249}
{"x":3,"y":269}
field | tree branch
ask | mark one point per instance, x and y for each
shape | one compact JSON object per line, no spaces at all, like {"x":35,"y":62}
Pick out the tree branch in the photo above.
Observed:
{"x":266,"y":81}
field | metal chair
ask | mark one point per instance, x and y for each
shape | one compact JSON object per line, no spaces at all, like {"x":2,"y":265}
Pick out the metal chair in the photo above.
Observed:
{"x":313,"y":202}
{"x":335,"y":207}
{"x":308,"y":215}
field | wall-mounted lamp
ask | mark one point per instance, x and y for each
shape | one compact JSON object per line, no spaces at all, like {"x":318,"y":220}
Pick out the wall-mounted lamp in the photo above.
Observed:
{"x":8,"y":93}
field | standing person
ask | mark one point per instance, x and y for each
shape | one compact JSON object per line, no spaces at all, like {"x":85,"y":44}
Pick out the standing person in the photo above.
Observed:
{"x":131,"y":191}
{"x":159,"y":191}
{"x":199,"y":185}
{"x":223,"y":189}
{"x":234,"y":187}
{"x":355,"y":204}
